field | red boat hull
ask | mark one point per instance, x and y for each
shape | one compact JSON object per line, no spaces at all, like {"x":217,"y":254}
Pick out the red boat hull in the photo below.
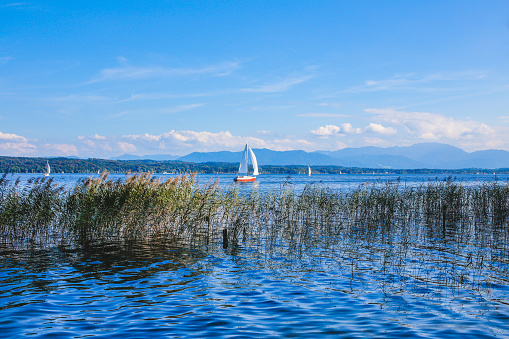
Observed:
{"x":244,"y":179}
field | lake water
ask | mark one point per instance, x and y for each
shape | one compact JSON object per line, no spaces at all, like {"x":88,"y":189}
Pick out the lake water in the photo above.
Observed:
{"x":385,"y":285}
{"x":267,"y":182}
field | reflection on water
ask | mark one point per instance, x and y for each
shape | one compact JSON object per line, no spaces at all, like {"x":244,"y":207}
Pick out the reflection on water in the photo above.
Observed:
{"x":392,"y":284}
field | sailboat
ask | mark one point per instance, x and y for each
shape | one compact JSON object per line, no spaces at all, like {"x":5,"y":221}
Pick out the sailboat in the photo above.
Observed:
{"x":242,"y":176}
{"x":309,"y":171}
{"x":47,"y":170}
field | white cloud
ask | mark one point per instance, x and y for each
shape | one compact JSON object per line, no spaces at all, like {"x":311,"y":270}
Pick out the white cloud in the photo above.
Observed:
{"x":98,"y":137}
{"x":377,"y":128}
{"x":64,"y":149}
{"x":145,"y":136}
{"x":188,"y":141}
{"x":430,"y":126}
{"x":328,"y":130}
{"x":126,"y":147}
{"x":347,"y":128}
{"x":11,"y":136}
{"x":89,"y":143}
{"x":190,"y":138}
{"x":17,"y":148}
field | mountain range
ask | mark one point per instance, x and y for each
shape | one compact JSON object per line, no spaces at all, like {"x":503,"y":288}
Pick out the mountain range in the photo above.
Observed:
{"x":424,"y":155}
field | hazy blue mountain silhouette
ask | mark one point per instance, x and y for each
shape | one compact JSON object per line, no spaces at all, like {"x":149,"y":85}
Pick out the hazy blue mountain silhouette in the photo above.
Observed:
{"x":424,"y":155}
{"x":265,"y":157}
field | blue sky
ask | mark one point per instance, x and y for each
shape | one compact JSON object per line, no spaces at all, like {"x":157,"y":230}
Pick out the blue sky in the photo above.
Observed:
{"x":105,"y":78}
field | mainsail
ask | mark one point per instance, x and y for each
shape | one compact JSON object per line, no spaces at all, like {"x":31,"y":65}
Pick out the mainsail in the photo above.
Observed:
{"x":243,"y":162}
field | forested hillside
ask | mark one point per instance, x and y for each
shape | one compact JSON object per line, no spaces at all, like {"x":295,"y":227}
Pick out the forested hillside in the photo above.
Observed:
{"x":69,"y":165}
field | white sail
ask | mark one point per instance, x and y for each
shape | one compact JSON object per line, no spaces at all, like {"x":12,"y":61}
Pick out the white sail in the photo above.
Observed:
{"x":253,"y":161}
{"x":48,"y":169}
{"x":309,"y":170}
{"x":243,"y":162}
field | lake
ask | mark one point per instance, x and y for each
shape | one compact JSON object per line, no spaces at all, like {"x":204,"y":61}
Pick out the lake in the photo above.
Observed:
{"x":395,"y":282}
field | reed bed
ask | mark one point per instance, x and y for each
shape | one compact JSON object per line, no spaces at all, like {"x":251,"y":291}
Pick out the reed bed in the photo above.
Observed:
{"x":440,"y":231}
{"x":141,"y":207}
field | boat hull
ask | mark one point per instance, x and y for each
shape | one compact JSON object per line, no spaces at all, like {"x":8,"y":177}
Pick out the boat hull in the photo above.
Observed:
{"x":244,"y":178}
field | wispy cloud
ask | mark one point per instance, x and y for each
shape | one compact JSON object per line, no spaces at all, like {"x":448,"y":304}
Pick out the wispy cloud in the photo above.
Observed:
{"x":164,"y":110}
{"x":162,"y":96}
{"x":279,"y":86}
{"x":81,"y":98}
{"x":135,"y":73}
{"x":14,"y":4}
{"x":411,"y":81}
{"x":4,"y":60}
{"x":323,"y":115}
{"x":328,"y":104}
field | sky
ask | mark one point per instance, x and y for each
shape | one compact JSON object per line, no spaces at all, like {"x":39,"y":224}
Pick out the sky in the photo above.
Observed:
{"x":105,"y":78}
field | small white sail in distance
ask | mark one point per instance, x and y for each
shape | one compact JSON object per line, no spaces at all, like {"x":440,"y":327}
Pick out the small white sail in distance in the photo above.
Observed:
{"x":309,"y":170}
{"x":48,"y":169}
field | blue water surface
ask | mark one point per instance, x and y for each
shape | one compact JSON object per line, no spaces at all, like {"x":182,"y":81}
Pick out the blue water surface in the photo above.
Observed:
{"x":378,"y":286}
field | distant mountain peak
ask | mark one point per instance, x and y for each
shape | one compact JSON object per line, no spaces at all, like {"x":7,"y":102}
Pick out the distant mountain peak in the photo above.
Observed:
{"x":430,"y":155}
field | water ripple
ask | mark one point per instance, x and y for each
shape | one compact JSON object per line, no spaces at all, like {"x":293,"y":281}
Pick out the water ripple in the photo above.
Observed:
{"x":179,"y":293}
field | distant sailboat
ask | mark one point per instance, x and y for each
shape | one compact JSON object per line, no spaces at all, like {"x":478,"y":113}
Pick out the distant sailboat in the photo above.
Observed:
{"x":242,"y":175}
{"x":309,"y":171}
{"x":47,"y":171}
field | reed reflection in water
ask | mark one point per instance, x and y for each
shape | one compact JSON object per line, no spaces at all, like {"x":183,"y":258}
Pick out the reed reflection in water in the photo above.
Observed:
{"x":383,"y":260}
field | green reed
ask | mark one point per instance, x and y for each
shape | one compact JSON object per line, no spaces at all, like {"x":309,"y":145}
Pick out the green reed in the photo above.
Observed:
{"x":141,"y":207}
{"x":440,"y":232}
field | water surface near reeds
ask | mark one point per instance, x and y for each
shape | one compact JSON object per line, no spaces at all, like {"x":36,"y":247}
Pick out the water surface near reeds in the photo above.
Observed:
{"x":267,"y":182}
{"x":383,"y":259}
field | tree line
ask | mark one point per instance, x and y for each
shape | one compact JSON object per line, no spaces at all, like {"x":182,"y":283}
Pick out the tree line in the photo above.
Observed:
{"x":94,"y":165}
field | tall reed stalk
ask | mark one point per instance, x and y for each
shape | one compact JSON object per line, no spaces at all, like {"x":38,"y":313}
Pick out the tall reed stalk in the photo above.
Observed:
{"x":143,"y":208}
